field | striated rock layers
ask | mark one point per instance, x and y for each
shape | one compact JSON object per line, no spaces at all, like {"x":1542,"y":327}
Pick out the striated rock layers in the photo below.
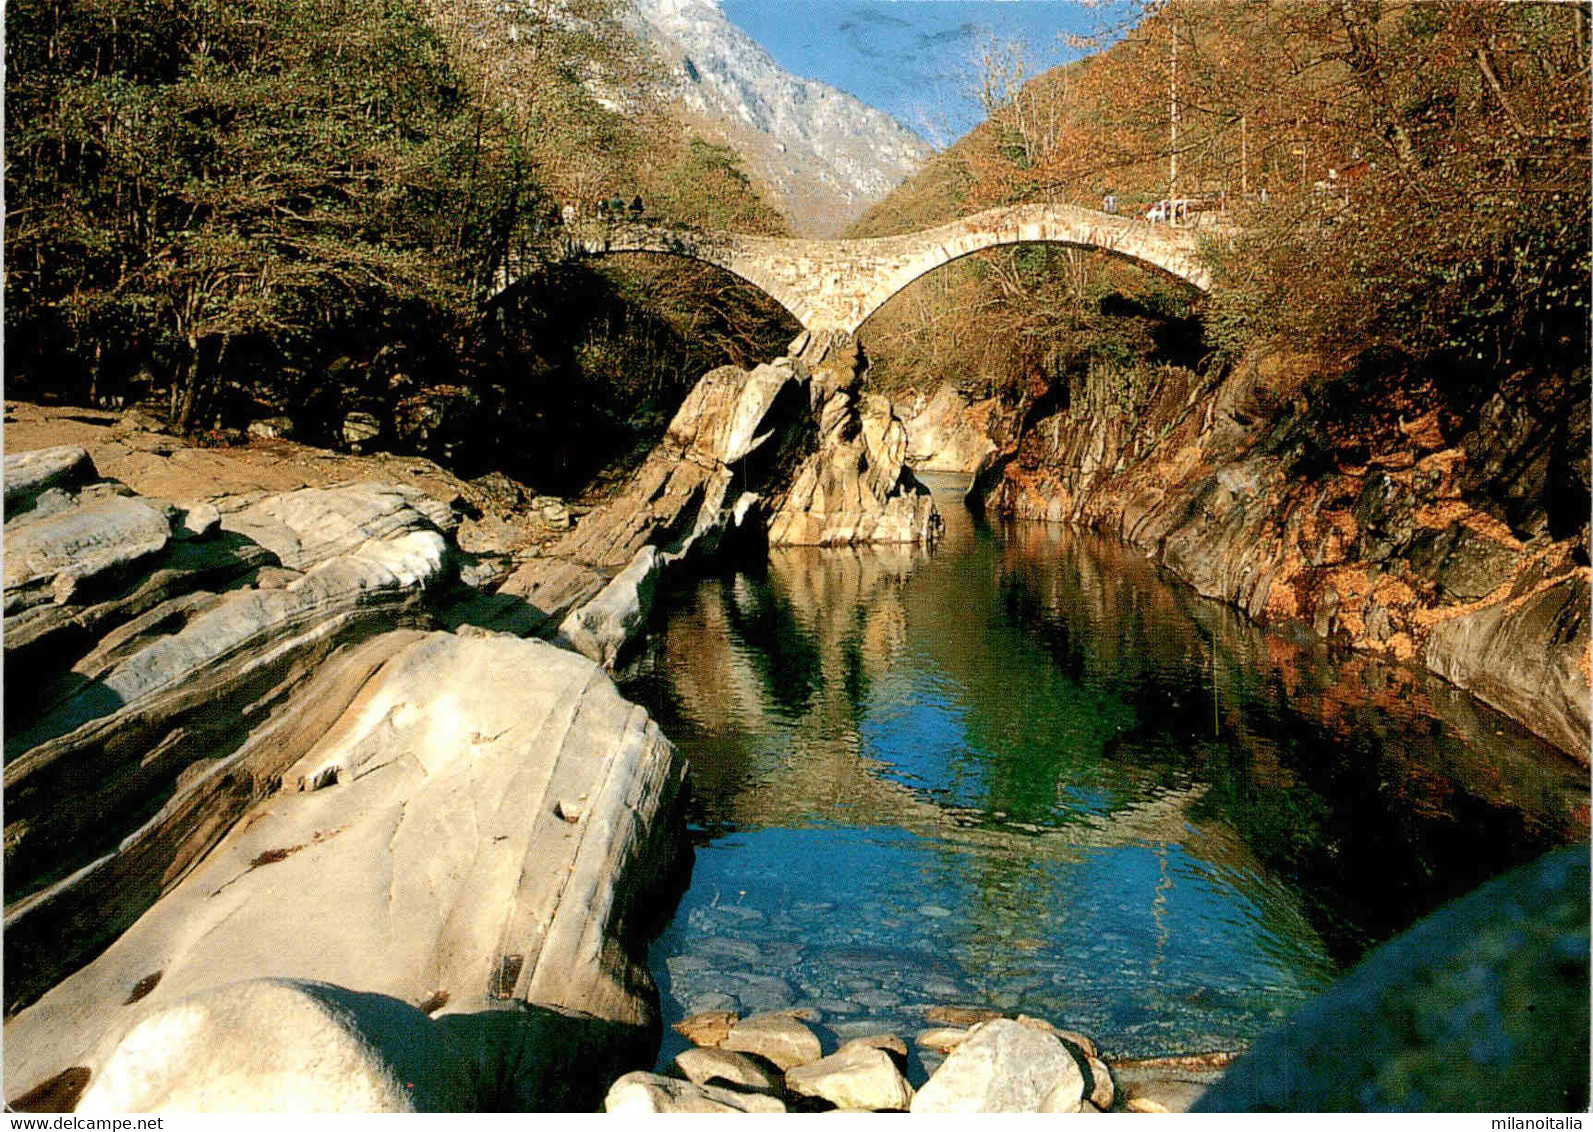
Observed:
{"x":270,"y":843}
{"x":786,"y":448}
{"x":1357,"y":509}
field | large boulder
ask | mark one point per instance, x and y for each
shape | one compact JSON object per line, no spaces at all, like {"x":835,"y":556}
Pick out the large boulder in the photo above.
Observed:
{"x":1481,"y":1007}
{"x":1004,"y":1066}
{"x":857,"y":1075}
{"x":283,"y":1045}
{"x":651,"y":1092}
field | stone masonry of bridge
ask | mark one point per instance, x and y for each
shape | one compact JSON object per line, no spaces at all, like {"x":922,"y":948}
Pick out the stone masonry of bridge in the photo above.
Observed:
{"x":834,"y":285}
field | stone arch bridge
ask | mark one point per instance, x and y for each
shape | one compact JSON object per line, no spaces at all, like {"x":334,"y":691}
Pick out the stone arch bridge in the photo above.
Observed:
{"x":834,"y":285}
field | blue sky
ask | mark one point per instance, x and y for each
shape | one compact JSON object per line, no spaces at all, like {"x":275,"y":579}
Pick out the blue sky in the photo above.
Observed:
{"x":915,"y":58}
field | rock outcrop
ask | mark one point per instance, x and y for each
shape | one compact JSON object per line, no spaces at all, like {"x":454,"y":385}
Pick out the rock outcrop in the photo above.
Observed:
{"x":485,"y":828}
{"x":248,"y":792}
{"x":953,"y":432}
{"x":787,"y":443}
{"x":1367,"y":517}
{"x":1481,"y":1007}
{"x":125,"y":687}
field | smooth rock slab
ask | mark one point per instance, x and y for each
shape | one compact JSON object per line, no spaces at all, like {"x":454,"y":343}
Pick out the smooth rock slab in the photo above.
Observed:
{"x":855,"y":1076}
{"x":434,"y":870}
{"x":778,"y":1037}
{"x":79,"y":543}
{"x":30,"y":474}
{"x":650,"y":1092}
{"x":1004,"y":1066}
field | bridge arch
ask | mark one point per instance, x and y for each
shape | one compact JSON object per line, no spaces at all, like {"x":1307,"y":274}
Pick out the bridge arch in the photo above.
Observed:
{"x":834,"y":285}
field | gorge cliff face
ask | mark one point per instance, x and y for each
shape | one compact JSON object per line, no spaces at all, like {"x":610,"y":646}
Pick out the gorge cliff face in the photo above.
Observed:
{"x":1374,"y":510}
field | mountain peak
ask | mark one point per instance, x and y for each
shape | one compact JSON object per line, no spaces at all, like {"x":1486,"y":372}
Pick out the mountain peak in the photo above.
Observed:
{"x":826,"y":154}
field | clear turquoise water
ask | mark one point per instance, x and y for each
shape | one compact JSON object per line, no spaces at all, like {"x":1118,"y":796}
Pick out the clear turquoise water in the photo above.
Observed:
{"x":1028,"y":771}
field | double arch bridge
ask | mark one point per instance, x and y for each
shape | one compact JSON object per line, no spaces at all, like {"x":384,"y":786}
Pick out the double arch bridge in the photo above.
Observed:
{"x":834,"y":285}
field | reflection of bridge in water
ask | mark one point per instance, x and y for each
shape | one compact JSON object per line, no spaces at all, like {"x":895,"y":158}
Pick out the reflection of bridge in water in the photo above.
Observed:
{"x":834,"y":285}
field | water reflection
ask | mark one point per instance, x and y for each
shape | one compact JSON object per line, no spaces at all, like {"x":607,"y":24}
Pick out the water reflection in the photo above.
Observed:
{"x":1025,"y":770}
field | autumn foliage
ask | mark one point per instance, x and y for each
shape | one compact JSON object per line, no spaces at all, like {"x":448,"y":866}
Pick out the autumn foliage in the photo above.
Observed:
{"x":1410,"y":176}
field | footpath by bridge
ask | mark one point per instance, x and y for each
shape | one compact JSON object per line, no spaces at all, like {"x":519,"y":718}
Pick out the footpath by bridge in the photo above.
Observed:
{"x":832,"y":286}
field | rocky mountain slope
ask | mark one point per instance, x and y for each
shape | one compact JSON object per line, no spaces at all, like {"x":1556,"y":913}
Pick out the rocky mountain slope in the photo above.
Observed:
{"x":825,"y":154}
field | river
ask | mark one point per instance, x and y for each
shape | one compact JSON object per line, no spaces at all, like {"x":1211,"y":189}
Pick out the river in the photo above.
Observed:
{"x":1027,"y":770}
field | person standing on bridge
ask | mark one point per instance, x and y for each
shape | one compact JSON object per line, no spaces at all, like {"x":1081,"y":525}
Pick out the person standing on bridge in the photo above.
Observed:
{"x":636,"y":207}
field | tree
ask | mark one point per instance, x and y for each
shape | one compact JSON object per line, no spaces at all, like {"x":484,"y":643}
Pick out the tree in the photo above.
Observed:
{"x":221,"y":171}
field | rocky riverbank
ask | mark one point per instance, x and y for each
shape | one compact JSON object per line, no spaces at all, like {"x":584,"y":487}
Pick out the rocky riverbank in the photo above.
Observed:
{"x":1374,"y":511}
{"x":967,"y":1060}
{"x":1481,"y":1006}
{"x":272,"y":765}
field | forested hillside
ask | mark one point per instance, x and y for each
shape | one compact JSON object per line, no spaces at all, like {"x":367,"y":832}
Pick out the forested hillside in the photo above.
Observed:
{"x":1409,"y":176}
{"x":300,"y":206}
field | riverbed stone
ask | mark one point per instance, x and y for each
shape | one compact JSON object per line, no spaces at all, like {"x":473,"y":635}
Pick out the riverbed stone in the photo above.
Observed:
{"x":942,"y":1038}
{"x":832,"y":1005}
{"x":961,"y":1015}
{"x":706,"y":1066}
{"x":855,"y":1076}
{"x":712,"y":1001}
{"x":778,"y":1037}
{"x":740,"y":949}
{"x":1003,"y":1067}
{"x":709,"y":1028}
{"x":762,"y":992}
{"x":651,"y":1092}
{"x":877,"y":999}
